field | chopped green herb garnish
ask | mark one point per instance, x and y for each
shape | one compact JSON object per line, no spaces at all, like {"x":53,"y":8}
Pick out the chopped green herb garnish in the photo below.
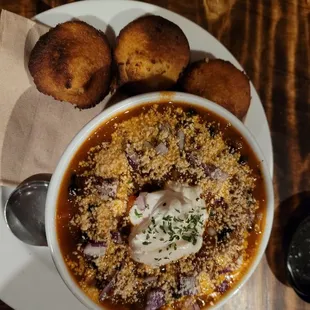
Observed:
{"x":187,"y":238}
{"x":185,"y":227}
{"x":167,"y":218}
{"x":146,"y":242}
{"x":162,"y":228}
{"x":137,"y":214}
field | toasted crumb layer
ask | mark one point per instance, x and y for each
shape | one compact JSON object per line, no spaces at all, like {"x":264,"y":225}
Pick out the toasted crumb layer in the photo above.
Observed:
{"x":118,"y":170}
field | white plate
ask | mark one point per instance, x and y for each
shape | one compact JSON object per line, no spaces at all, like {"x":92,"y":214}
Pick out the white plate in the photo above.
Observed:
{"x":28,"y":278}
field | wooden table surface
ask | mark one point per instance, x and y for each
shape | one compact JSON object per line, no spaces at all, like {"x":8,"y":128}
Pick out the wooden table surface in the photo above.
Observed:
{"x":271,"y":40}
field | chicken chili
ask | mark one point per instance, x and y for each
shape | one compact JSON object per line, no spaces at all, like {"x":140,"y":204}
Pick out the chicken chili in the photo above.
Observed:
{"x":161,"y":208}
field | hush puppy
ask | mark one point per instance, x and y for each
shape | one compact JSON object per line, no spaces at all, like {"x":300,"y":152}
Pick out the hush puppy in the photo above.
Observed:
{"x":150,"y":54}
{"x":220,"y":82}
{"x":72,"y":62}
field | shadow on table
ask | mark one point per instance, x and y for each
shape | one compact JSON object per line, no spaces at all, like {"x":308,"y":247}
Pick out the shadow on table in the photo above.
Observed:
{"x":287,"y":217}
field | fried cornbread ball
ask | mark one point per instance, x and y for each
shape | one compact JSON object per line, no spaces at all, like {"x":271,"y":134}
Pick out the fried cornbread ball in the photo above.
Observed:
{"x":72,"y":62}
{"x":221,"y":82}
{"x":150,"y":54}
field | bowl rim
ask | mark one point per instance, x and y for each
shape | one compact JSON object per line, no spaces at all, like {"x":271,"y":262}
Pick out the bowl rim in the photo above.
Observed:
{"x":107,"y":114}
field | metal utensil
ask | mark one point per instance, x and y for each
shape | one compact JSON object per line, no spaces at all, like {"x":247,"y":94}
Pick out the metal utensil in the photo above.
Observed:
{"x":24,"y":212}
{"x":298,"y":260}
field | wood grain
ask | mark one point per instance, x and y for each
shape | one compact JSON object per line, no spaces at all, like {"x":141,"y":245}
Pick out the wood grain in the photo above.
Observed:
{"x":271,"y":39}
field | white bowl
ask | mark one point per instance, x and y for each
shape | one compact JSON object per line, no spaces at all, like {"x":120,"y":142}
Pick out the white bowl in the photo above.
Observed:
{"x":52,"y":196}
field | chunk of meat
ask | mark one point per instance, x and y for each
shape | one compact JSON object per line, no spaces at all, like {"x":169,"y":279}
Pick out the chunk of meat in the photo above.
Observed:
{"x":77,"y":185}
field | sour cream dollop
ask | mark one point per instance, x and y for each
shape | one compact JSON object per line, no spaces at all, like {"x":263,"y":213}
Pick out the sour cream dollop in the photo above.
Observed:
{"x":169,"y":227}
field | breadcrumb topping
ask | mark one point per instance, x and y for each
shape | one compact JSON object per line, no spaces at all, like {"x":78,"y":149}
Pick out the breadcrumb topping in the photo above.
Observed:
{"x":144,"y":153}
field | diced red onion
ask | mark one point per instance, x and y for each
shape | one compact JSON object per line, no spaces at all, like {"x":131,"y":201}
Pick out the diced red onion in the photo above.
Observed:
{"x":161,"y":149}
{"x":116,"y":237}
{"x":132,"y":158}
{"x":225,"y":270}
{"x":193,"y":160}
{"x":222,"y":288}
{"x":219,"y":175}
{"x":188,"y":286}
{"x":155,"y":299}
{"x":95,"y":249}
{"x":181,"y":137}
{"x":221,"y":203}
{"x":165,"y":127}
{"x":208,"y":169}
{"x":211,"y":231}
{"x":140,"y":201}
{"x":108,"y":188}
{"x":106,"y":290}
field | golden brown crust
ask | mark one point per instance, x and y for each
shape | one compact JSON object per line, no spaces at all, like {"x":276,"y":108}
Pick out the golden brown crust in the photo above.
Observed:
{"x":220,"y":82}
{"x":72,"y":62}
{"x":151,"y":53}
